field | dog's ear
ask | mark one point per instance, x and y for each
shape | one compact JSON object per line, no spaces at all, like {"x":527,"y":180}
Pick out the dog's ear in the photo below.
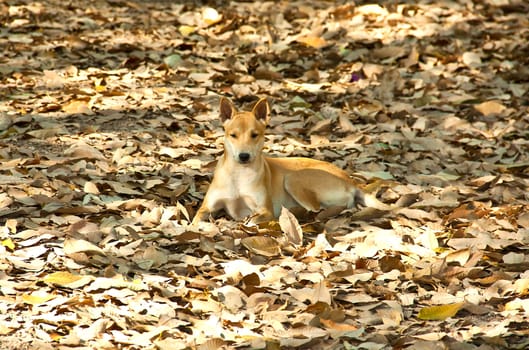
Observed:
{"x":261,"y":110}
{"x":226,"y":109}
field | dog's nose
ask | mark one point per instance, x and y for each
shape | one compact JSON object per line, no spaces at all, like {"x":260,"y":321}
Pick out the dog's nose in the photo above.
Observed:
{"x":244,"y":157}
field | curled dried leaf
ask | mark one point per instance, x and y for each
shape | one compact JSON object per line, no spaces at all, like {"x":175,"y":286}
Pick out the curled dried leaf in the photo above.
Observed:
{"x":290,"y":227}
{"x":266,"y":246}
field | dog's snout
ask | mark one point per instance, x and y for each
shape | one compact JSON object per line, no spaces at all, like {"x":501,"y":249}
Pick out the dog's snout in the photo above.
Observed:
{"x":244,"y":157}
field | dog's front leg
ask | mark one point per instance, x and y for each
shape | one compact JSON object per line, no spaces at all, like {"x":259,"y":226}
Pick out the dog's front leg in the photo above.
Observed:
{"x":202,"y":214}
{"x":264,"y":210}
{"x":210,"y":204}
{"x":263,"y":215}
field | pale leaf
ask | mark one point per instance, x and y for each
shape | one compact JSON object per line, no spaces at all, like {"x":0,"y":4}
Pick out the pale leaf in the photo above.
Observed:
{"x":90,"y":187}
{"x":290,"y":227}
{"x":211,"y":16}
{"x":231,"y":297}
{"x":514,"y":258}
{"x":74,"y":246}
{"x":83,"y":150}
{"x":471,"y":59}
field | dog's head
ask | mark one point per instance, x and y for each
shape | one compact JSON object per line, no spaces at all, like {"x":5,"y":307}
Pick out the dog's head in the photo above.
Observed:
{"x":244,"y":131}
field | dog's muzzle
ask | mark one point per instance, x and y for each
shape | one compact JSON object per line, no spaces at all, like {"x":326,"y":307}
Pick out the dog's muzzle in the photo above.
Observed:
{"x":244,"y":158}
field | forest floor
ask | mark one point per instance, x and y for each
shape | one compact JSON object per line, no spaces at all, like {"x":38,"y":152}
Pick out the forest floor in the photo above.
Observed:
{"x":109,"y":133}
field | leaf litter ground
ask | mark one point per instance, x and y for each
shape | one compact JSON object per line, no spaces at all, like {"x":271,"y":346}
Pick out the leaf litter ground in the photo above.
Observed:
{"x":109,"y":133}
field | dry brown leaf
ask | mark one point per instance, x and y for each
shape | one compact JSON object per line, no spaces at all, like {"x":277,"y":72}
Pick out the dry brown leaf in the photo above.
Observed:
{"x":490,"y":108}
{"x":459,"y":256}
{"x":392,"y":52}
{"x":212,"y":344}
{"x":83,"y":150}
{"x":290,"y":227}
{"x":77,"y":107}
{"x":266,"y":246}
{"x":312,"y":41}
{"x":338,"y":326}
{"x":153,"y":257}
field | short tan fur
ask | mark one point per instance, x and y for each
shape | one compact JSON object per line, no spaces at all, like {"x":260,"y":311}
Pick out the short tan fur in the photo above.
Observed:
{"x":247,"y":183}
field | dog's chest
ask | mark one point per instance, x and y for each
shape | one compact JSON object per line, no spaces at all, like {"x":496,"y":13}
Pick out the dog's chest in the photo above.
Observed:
{"x":244,"y":191}
{"x":244,"y":181}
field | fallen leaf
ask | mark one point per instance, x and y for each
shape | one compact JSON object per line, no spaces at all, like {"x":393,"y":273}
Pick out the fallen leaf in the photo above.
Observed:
{"x":490,"y":108}
{"x":74,"y":246}
{"x":37,"y":298}
{"x":174,"y":60}
{"x":53,"y":80}
{"x":266,"y":246}
{"x":312,"y":41}
{"x":8,"y":243}
{"x":471,"y":59}
{"x":392,"y":52}
{"x":290,"y":227}
{"x":77,"y":107}
{"x":440,"y":312}
{"x":211,"y":16}
{"x":66,"y":279}
{"x":83,"y":150}
{"x":338,"y":326}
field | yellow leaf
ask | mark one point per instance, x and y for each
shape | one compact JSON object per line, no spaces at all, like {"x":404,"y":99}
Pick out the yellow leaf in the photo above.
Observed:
{"x":37,"y":298}
{"x":8,"y":243}
{"x":61,"y":277}
{"x":55,"y":336}
{"x":313,"y":41}
{"x":100,"y":84}
{"x":440,"y":312}
{"x":186,"y":30}
{"x":66,"y":279}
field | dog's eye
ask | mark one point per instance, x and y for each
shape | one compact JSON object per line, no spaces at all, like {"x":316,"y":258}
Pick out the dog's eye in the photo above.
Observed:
{"x":254,"y":135}
{"x":233,"y":135}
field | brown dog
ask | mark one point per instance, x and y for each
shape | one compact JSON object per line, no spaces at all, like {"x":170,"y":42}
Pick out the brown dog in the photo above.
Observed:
{"x":248,"y":183}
